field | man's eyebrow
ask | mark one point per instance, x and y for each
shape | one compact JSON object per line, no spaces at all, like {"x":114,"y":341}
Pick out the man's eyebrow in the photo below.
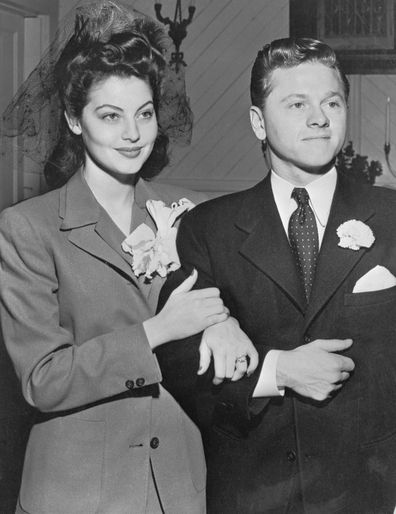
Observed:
{"x":293,"y":96}
{"x":302,"y":96}
{"x":333,"y":93}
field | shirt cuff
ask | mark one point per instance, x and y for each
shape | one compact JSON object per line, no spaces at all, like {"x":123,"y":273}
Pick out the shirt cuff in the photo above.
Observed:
{"x":266,"y":384}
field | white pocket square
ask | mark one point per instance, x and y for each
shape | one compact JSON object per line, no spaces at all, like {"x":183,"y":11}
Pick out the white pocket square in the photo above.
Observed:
{"x":374,"y":280}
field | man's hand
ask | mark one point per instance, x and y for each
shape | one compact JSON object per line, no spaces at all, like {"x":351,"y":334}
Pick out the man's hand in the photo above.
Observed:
{"x":228,"y":344}
{"x":314,"y":370}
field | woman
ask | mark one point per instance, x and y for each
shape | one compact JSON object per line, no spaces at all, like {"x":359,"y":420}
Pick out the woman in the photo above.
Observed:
{"x":78,"y":323}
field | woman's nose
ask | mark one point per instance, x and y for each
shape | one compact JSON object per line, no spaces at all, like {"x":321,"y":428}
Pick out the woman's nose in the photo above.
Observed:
{"x":131,"y":130}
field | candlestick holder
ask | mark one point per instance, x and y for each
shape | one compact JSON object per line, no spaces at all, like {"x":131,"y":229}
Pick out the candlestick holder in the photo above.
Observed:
{"x":387,"y":149}
{"x":177,"y":30}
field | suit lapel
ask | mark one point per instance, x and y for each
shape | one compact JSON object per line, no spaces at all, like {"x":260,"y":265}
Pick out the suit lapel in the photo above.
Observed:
{"x":90,"y":227}
{"x":335,"y":263}
{"x":266,"y":244}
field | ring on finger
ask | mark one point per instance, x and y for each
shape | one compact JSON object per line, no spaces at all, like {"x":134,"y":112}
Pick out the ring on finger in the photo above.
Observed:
{"x":241,"y":359}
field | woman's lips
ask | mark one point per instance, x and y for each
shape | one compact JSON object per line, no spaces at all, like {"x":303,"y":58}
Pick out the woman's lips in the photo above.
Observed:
{"x":131,"y":153}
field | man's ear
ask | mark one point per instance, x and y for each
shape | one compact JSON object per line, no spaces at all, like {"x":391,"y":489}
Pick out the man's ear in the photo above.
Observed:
{"x":74,"y":124}
{"x":257,"y":122}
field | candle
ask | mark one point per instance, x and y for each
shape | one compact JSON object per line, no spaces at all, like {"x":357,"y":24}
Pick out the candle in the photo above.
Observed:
{"x":387,"y":122}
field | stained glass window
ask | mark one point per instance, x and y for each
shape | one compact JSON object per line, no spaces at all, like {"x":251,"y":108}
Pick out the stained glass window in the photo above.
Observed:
{"x":356,"y":24}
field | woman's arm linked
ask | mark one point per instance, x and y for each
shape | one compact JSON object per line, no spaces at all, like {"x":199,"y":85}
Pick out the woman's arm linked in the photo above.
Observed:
{"x":57,"y":369}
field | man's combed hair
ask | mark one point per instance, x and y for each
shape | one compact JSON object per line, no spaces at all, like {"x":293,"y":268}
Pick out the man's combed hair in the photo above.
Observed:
{"x":287,"y":53}
{"x":86,"y":61}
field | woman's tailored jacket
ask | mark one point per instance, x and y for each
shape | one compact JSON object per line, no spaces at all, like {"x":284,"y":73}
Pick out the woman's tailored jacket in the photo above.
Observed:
{"x":71,"y":316}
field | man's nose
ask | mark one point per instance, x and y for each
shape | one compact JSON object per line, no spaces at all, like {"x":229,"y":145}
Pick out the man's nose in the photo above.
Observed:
{"x":317,"y":117}
{"x":131,"y":130}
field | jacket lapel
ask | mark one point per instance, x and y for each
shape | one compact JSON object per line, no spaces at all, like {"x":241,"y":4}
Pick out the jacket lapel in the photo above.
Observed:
{"x":335,"y":263}
{"x":266,"y":244}
{"x":90,"y":227}
{"x":143,"y":192}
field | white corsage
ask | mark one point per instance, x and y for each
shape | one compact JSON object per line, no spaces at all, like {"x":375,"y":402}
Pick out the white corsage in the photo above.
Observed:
{"x":156,"y":253}
{"x":354,"y":234}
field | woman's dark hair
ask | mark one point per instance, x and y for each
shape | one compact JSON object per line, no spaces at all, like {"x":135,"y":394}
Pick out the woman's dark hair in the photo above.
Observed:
{"x":286,"y":53}
{"x":86,"y":61}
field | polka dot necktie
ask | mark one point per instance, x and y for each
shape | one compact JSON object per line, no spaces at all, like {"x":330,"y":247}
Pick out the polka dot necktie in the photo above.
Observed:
{"x":303,"y":237}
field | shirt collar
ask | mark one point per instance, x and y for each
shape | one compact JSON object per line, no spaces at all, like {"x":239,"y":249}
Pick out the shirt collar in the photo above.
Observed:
{"x":321,"y":192}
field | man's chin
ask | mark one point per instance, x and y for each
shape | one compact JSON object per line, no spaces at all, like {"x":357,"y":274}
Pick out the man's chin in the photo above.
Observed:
{"x":318,"y":168}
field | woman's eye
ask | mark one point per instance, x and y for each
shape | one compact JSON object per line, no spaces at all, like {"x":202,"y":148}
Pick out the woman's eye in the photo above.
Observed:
{"x":297,"y":105}
{"x":110,"y":116}
{"x":146,"y":114}
{"x":334,"y":103}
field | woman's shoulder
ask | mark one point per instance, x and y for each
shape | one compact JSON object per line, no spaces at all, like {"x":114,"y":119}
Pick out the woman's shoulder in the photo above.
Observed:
{"x":36,"y":210}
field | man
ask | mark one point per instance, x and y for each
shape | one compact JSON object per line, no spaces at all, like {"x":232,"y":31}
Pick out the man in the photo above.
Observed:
{"x":306,"y":261}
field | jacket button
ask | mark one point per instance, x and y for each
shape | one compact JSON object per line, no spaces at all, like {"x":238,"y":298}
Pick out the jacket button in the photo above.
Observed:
{"x":129,"y":384}
{"x":140,"y":382}
{"x":307,"y":339}
{"x":154,"y":443}
{"x":291,"y":456}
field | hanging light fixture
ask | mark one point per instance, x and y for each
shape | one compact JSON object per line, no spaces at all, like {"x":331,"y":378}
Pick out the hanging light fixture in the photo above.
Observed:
{"x":177,"y":29}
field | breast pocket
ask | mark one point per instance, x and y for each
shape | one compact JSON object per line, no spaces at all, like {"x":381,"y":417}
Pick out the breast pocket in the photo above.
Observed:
{"x":370,"y":298}
{"x":370,"y":320}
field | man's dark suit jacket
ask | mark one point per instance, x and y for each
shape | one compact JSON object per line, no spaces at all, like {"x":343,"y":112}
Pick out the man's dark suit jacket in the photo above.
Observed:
{"x":343,"y":449}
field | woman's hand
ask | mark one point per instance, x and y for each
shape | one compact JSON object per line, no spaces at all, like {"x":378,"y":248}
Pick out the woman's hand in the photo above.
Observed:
{"x":233,"y":352}
{"x":186,"y":313}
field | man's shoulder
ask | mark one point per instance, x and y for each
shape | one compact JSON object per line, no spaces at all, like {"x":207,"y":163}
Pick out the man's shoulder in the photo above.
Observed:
{"x":226,"y":206}
{"x":382,"y":199}
{"x":383,"y":192}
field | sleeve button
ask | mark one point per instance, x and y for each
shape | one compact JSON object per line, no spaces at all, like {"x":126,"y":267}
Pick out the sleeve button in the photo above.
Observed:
{"x":129,"y":384}
{"x":140,"y":382}
{"x":154,"y":443}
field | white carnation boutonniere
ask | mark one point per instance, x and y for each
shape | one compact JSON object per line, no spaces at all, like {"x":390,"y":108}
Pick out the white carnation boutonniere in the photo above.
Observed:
{"x":354,"y":234}
{"x":156,"y":252}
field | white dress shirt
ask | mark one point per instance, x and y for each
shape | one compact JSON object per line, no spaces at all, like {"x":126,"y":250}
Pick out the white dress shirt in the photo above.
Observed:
{"x":321,"y":192}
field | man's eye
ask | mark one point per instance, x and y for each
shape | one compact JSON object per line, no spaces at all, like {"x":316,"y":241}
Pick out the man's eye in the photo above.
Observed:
{"x":297,"y":105}
{"x":334,"y":103}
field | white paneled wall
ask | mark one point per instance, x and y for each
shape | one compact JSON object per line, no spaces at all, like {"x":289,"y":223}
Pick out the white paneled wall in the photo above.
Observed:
{"x":221,"y":46}
{"x":374,"y":90}
{"x":219,"y":50}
